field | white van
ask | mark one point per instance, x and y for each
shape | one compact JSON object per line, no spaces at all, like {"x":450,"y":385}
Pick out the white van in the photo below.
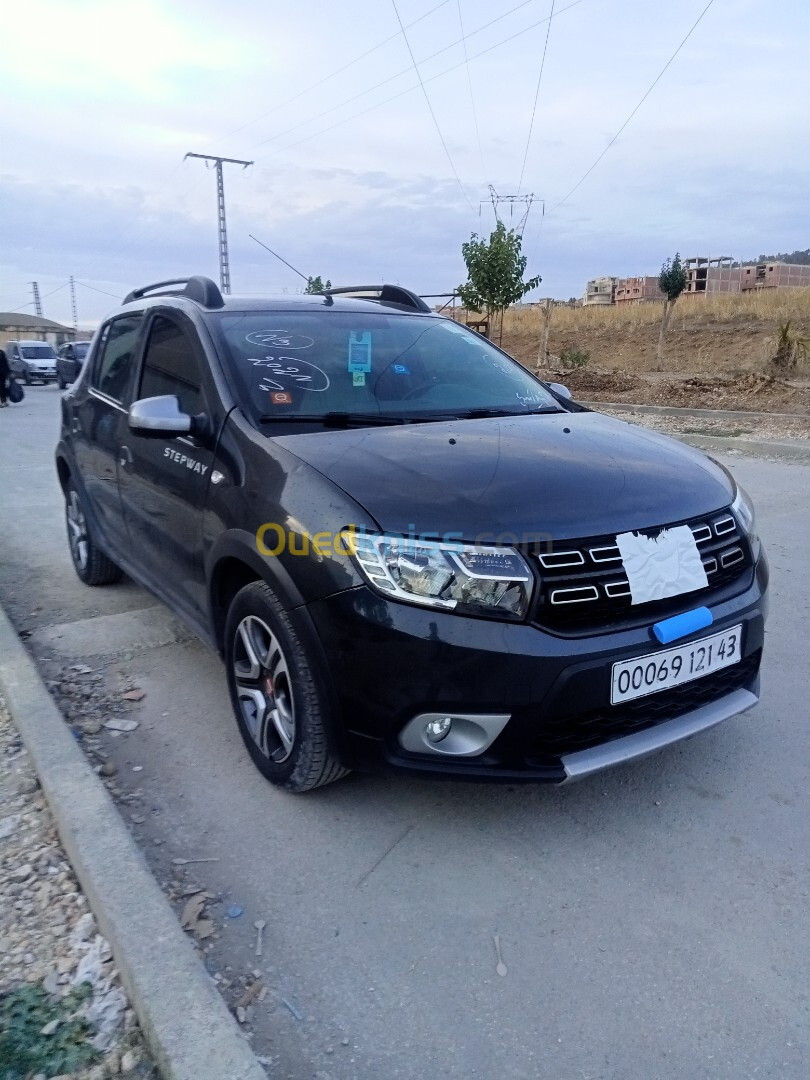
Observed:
{"x":32,"y":360}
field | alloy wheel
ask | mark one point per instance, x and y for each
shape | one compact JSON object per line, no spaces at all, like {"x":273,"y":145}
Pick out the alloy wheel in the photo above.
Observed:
{"x":77,"y":530}
{"x":263,"y":688}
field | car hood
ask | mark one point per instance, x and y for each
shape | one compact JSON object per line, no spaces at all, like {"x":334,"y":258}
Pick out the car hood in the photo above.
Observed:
{"x":564,"y":475}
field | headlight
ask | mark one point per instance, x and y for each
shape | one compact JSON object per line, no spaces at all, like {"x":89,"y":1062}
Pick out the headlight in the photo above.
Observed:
{"x":455,"y":577}
{"x":743,"y":510}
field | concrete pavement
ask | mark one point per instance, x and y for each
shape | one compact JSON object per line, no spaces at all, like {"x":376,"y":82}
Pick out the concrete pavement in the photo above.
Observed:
{"x":653,"y":920}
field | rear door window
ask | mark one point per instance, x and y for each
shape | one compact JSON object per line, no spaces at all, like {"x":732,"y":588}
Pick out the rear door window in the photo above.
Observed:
{"x":111,"y":375}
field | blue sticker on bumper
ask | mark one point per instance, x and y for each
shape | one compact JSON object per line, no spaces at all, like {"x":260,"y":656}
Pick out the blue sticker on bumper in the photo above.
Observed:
{"x":681,"y":625}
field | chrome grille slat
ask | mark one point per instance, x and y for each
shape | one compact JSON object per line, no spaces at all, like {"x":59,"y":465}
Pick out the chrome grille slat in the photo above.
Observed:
{"x":583,"y":584}
{"x":556,"y":560}
{"x":725,"y":525}
{"x":566,"y":596}
{"x":610,"y":553}
{"x":617,"y":588}
{"x":732,"y":557}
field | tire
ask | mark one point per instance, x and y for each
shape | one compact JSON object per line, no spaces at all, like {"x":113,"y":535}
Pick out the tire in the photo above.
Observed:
{"x":277,"y":694}
{"x":92,"y":566}
{"x":60,"y":382}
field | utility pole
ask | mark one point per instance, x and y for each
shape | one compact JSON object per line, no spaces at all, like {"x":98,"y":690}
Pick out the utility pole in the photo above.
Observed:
{"x":37,"y":301}
{"x":224,"y":268}
{"x":73,"y":304}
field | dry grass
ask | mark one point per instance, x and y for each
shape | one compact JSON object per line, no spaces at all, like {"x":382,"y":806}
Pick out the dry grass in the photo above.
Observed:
{"x":725,"y":335}
{"x":769,"y":306}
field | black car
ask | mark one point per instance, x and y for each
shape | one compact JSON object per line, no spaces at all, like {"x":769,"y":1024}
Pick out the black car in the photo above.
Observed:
{"x":410,"y":552}
{"x":69,"y":360}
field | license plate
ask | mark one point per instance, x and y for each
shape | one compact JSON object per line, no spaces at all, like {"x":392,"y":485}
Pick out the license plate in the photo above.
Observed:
{"x":663,"y":670}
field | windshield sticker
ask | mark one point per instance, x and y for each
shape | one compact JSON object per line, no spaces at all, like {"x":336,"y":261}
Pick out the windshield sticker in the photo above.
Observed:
{"x":281,"y":397}
{"x":280,"y":339}
{"x":287,"y":371}
{"x":360,"y":350}
{"x":359,"y":378}
{"x":400,"y":369}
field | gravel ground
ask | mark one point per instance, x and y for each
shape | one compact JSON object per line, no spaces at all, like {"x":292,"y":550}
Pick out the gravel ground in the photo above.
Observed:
{"x":48,"y":938}
{"x":750,"y":428}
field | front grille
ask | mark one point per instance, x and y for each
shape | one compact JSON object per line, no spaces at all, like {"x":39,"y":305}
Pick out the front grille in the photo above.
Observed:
{"x":584,"y":586}
{"x":567,"y":734}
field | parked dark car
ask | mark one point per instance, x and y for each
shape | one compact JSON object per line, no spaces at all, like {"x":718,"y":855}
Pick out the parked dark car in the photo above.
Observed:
{"x":410,"y":552}
{"x":31,"y":360}
{"x":69,"y":360}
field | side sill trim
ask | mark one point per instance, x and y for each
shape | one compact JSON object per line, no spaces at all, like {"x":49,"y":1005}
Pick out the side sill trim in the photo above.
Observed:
{"x":584,"y":762}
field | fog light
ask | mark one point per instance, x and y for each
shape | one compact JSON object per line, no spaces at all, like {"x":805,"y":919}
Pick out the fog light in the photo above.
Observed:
{"x":438,"y":729}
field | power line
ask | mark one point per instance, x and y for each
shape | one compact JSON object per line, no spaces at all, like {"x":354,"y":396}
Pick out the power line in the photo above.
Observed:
{"x":536,"y":96}
{"x":430,"y":107}
{"x":326,"y":78}
{"x":394,"y":77}
{"x":277,"y":256}
{"x":472,"y":96}
{"x":649,"y":90}
{"x":102,"y":291}
{"x":410,"y":89}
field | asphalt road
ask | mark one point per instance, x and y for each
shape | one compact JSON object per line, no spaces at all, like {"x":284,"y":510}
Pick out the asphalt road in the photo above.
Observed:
{"x":653,"y":920}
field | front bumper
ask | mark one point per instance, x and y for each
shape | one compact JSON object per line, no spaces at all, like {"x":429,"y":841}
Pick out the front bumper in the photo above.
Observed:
{"x":391,"y":661}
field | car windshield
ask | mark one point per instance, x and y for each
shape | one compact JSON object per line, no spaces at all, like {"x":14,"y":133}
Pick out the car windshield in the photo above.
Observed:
{"x":328,"y":363}
{"x":37,"y":352}
{"x":80,"y":349}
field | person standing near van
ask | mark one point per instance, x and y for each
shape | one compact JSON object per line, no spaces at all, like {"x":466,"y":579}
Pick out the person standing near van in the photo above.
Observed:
{"x":5,"y":372}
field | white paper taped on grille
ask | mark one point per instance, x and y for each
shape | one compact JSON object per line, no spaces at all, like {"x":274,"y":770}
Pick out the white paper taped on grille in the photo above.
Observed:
{"x":660,"y":566}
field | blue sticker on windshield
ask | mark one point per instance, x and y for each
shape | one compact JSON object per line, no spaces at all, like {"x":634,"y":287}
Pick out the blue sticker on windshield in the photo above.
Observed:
{"x":360,"y":350}
{"x":400,"y":369}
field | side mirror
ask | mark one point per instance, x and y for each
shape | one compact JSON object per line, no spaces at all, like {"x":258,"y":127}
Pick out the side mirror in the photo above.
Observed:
{"x":560,"y":390}
{"x":159,"y":416}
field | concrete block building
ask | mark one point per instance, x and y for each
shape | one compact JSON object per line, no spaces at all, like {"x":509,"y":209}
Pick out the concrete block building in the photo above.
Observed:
{"x":600,"y":292}
{"x":638,"y":290}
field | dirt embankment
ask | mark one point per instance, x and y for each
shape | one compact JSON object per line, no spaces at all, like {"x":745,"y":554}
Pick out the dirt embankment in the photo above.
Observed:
{"x":718,"y":351}
{"x":754,"y":392}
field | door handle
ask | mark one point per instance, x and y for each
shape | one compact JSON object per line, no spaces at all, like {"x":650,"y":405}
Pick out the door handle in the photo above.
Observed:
{"x":124,"y":456}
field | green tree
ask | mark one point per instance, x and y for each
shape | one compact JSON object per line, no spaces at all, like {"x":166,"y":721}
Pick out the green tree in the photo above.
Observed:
{"x":317,"y":285}
{"x":671,"y":282}
{"x":495,"y":270}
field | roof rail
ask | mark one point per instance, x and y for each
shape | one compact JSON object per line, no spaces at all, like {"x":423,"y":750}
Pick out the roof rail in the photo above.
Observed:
{"x":383,"y":294}
{"x":201,"y":289}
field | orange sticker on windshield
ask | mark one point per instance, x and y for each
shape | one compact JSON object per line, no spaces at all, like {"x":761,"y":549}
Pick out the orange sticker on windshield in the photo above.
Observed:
{"x":281,"y":397}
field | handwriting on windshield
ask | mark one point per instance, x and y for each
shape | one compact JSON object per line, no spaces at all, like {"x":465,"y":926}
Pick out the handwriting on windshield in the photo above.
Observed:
{"x":283,"y":372}
{"x":280,"y":339}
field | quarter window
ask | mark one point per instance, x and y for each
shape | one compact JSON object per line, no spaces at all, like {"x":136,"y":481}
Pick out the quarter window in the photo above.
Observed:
{"x":171,"y":367}
{"x":112,"y":371}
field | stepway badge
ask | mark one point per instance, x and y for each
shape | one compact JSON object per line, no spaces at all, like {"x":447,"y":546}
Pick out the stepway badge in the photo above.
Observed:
{"x":360,"y":350}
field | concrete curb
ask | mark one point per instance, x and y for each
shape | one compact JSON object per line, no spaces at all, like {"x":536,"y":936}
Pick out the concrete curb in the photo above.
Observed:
{"x":699,"y":414}
{"x":187,"y":1026}
{"x":793,"y":451}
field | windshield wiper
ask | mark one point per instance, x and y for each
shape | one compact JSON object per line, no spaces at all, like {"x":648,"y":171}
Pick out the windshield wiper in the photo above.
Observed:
{"x":336,"y":419}
{"x":484,"y":414}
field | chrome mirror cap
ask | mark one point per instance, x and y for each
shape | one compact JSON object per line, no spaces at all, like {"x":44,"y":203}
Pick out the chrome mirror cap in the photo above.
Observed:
{"x":160,"y":415}
{"x":560,"y":390}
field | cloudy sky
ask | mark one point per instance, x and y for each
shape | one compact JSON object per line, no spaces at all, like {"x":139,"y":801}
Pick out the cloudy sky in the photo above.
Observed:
{"x":101,"y":99}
